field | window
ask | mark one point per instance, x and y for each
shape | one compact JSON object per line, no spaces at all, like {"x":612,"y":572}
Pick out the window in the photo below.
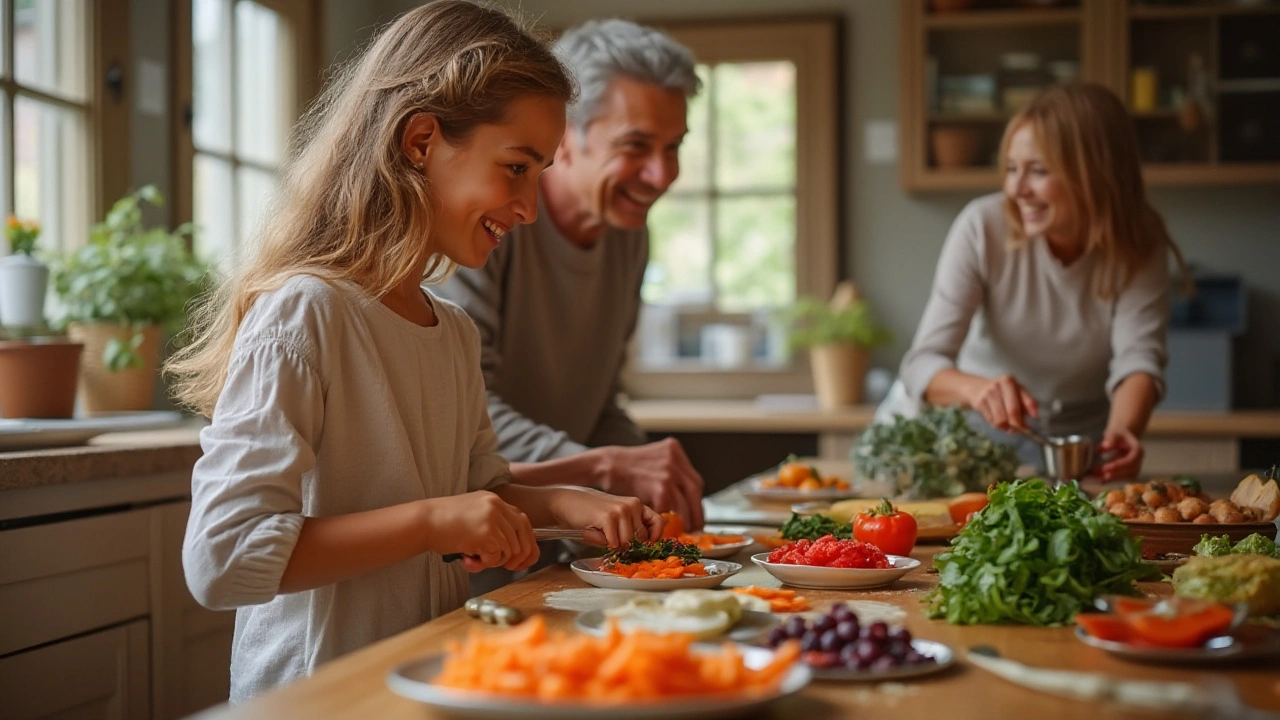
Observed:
{"x":46,"y":113}
{"x":750,"y":224}
{"x":250,"y":72}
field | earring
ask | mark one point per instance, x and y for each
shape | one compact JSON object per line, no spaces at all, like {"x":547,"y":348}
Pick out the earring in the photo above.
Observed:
{"x":419,"y":164}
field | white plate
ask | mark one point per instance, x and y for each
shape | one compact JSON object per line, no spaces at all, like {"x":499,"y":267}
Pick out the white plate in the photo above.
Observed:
{"x":413,"y":680}
{"x":1223,"y":646}
{"x":942,"y":655}
{"x":752,"y":625}
{"x":828,"y":578}
{"x":728,"y":550}
{"x":752,"y":489}
{"x":717,"y":572}
{"x":18,"y":433}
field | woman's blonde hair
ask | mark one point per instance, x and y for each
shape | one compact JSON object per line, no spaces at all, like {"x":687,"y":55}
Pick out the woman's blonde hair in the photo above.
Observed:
{"x":351,"y":205}
{"x":1087,"y":140}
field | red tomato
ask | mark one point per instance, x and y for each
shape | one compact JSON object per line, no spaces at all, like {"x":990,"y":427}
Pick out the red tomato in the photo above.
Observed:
{"x":1105,"y":626}
{"x":1188,"y":623}
{"x":888,"y":529}
{"x":962,"y":507}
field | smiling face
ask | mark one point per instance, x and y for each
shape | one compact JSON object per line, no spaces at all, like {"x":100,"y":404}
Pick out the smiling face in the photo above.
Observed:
{"x":1041,"y":197}
{"x":628,"y":157}
{"x":489,"y":183}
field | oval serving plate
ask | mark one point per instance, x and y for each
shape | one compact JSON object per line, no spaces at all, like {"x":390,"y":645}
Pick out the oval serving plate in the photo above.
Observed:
{"x":413,"y":680}
{"x":829,"y":578}
{"x":752,"y":625}
{"x":942,"y":655}
{"x":1223,"y":646}
{"x":717,"y":572}
{"x":753,"y":490}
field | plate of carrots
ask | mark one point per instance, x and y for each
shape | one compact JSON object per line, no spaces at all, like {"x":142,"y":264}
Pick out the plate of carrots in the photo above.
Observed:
{"x":532,"y":674}
{"x":714,"y":542}
{"x":655,"y":575}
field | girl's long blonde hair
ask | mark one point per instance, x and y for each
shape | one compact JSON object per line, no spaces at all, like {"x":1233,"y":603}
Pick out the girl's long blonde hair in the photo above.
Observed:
{"x":351,"y":206}
{"x":1087,"y":140}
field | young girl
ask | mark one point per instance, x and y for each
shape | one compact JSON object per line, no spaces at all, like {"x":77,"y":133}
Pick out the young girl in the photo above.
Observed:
{"x":350,"y":446}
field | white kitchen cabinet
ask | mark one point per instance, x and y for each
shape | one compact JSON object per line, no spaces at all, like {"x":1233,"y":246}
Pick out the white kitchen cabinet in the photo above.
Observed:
{"x":102,"y":675}
{"x":98,"y":619}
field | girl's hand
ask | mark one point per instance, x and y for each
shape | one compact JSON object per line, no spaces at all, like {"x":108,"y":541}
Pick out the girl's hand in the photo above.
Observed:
{"x":1128,"y":458}
{"x":607,"y":519}
{"x":483,"y":527}
{"x":1004,"y":404}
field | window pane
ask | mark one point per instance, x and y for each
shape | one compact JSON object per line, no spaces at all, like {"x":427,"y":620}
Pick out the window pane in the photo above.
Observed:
{"x":254,"y":189}
{"x":755,"y":252}
{"x":263,"y":92}
{"x":679,"y":252}
{"x":212,"y":210}
{"x":755,"y":118}
{"x":49,"y":46}
{"x":211,"y":71}
{"x":50,"y":171}
{"x":694,"y":159}
{"x":6,"y":162}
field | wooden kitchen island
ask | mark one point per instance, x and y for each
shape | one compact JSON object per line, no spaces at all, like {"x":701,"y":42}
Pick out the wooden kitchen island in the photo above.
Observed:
{"x":354,"y":686}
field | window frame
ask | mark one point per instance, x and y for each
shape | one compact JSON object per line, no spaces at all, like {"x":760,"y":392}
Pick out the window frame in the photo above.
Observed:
{"x":813,"y":45}
{"x":305,"y":19}
{"x":105,"y":116}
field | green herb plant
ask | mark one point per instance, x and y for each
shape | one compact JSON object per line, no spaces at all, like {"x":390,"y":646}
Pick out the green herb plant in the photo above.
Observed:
{"x":814,"y":527}
{"x":132,"y":275}
{"x":640,"y":551}
{"x":1035,"y":556}
{"x":22,"y":235}
{"x":935,"y":454}
{"x":814,"y":322}
{"x":1219,"y":545}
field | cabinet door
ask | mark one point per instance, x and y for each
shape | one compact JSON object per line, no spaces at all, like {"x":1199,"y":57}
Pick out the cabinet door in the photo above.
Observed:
{"x":102,"y":675}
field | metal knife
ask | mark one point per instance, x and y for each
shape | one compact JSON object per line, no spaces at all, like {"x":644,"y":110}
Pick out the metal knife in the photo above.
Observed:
{"x":539,"y":534}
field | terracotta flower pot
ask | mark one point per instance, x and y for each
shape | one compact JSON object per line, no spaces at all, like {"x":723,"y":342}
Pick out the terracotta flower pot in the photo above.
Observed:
{"x":839,"y":372}
{"x":38,"y":380}
{"x":954,"y":147}
{"x":104,"y":390}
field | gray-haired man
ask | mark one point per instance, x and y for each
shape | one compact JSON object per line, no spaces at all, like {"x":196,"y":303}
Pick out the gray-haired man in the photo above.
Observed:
{"x":557,"y":301}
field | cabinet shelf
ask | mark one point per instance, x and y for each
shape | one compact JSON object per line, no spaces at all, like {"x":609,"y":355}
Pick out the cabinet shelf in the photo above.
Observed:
{"x":1157,"y":12}
{"x":981,"y":19}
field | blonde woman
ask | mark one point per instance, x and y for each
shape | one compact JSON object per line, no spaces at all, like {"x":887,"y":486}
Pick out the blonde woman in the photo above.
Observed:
{"x":1050,"y":303}
{"x":350,"y":447}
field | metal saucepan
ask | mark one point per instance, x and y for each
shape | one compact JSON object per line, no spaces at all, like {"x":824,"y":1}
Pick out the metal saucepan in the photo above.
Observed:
{"x":1065,"y":458}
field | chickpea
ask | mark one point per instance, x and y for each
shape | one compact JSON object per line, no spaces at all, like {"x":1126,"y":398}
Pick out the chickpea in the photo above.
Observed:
{"x":1124,"y":511}
{"x":1113,"y":497}
{"x":1232,"y":517}
{"x":1154,"y":499}
{"x":1133,"y":492}
{"x":1167,"y":515}
{"x":1222,"y":505}
{"x":1192,"y":508}
{"x":1145,"y":516}
{"x":1204,"y":519}
{"x":1175,"y":492}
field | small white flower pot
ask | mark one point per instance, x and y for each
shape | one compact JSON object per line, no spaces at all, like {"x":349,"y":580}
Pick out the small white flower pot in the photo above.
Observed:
{"x":23,"y":281}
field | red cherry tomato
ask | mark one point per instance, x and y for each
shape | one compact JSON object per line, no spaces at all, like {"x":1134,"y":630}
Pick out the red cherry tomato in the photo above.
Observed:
{"x":888,"y":529}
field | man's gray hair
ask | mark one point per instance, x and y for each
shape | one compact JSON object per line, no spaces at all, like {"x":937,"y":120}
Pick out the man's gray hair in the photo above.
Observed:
{"x":599,"y":50}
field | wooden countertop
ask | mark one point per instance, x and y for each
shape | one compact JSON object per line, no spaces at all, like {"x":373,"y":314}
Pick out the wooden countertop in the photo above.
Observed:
{"x":747,"y":416}
{"x":355,"y":687}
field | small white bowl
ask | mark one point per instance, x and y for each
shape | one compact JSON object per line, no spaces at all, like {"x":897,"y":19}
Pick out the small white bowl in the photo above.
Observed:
{"x":829,"y":578}
{"x":717,"y":572}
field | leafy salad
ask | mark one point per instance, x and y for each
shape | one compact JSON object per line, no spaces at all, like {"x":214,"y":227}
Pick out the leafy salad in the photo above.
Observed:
{"x":1035,"y":556}
{"x":814,"y":527}
{"x":936,"y":454}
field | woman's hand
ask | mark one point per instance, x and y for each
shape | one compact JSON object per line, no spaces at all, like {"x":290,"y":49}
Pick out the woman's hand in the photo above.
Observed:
{"x":1003,"y":403}
{"x":659,"y":474}
{"x":1128,"y":459}
{"x":484,"y":528}
{"x":607,"y":519}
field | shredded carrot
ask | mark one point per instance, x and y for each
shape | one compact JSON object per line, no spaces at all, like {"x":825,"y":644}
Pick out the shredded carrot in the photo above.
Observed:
{"x":527,"y":661}
{"x":780,"y":600}
{"x":668,"y":569}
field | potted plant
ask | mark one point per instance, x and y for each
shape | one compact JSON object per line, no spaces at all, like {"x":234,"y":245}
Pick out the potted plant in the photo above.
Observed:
{"x":838,"y":334}
{"x":119,"y":293}
{"x":23,"y":279}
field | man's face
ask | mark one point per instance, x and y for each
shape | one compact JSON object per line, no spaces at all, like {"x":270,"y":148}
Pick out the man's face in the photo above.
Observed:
{"x":629,"y":156}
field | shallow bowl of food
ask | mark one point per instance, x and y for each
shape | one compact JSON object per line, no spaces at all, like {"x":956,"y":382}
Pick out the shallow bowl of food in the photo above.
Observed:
{"x":588,"y":569}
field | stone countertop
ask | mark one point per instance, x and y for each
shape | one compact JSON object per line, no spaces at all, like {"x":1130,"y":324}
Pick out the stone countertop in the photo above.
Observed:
{"x":112,"y":455}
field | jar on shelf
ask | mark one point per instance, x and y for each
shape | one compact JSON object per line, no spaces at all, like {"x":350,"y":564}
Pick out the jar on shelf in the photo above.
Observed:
{"x":1022,"y":76}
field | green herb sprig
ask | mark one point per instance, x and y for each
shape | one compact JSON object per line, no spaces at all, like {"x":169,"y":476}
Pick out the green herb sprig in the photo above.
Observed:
{"x":1035,"y":556}
{"x":814,"y":527}
{"x":640,"y":551}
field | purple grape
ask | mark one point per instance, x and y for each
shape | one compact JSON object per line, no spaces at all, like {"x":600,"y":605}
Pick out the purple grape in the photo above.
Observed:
{"x":796,"y":626}
{"x":829,"y":642}
{"x":900,"y":634}
{"x":884,"y":662}
{"x":777,"y":636}
{"x":842,"y":612}
{"x":809,"y":641}
{"x":847,"y":630}
{"x":876,"y":631}
{"x":913,"y":658}
{"x":868,"y":650}
{"x":824,"y":623}
{"x":849,"y":654}
{"x":898,"y":649}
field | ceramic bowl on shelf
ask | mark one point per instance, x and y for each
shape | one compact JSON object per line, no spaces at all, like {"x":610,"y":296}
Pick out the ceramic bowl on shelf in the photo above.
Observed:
{"x":954,"y":146}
